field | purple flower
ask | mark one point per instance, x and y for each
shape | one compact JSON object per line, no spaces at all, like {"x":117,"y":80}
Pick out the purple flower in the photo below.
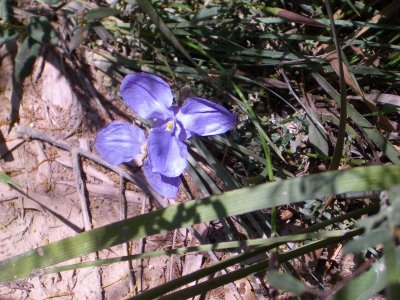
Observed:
{"x":151,"y":98}
{"x":119,"y":142}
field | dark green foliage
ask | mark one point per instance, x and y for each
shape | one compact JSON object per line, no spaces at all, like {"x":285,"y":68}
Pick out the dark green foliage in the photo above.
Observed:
{"x":40,"y":33}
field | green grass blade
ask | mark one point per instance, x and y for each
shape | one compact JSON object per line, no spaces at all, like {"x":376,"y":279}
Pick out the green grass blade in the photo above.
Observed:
{"x":337,"y":153}
{"x":389,"y":248}
{"x":193,"y":212}
{"x":319,"y":38}
{"x":339,"y":23}
{"x":269,"y":243}
{"x":169,"y":286}
{"x":392,"y":267}
{"x":4,"y":178}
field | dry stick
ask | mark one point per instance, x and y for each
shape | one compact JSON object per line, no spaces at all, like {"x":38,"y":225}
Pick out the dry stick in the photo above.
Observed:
{"x":122,"y":216}
{"x":171,"y":259}
{"x":10,"y":146}
{"x":47,"y":209}
{"x":82,"y":195}
{"x":88,"y":170}
{"x":31,"y":133}
{"x":80,"y":187}
{"x":107,"y":191}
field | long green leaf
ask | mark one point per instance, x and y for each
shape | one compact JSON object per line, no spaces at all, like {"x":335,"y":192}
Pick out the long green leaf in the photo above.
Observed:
{"x":193,"y":212}
{"x":269,"y":243}
{"x":337,"y":153}
{"x":340,"y":23}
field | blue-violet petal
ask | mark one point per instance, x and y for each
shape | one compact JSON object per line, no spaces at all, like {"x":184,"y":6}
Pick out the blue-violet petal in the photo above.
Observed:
{"x":167,"y":154}
{"x":165,"y":186}
{"x":119,"y":142}
{"x":147,"y":95}
{"x":203,"y":117}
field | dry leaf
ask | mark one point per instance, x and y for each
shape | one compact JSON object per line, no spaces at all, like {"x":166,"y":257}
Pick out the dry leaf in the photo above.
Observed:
{"x":334,"y":61}
{"x":286,"y":215}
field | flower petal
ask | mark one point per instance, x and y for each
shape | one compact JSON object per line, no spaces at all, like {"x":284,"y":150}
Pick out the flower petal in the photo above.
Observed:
{"x":168,"y":155}
{"x":147,"y":95}
{"x":119,"y":142}
{"x":165,"y":186}
{"x":203,"y":117}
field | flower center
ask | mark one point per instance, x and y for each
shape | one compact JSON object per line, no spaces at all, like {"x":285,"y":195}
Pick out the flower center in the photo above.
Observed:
{"x":170,"y":125}
{"x":143,"y":148}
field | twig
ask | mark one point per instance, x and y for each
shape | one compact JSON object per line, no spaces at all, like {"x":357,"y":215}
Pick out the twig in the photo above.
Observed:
{"x":63,"y":160}
{"x":122,"y":216}
{"x":171,"y":258}
{"x":47,"y":209}
{"x":9,"y":146}
{"x":108,"y":191}
{"x":82,"y":195}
